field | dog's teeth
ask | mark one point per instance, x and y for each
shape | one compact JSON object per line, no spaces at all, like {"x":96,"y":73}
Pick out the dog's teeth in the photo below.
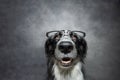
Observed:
{"x":66,"y":62}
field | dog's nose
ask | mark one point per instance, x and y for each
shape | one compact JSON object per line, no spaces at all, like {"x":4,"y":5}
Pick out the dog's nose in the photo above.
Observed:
{"x":65,"y":47}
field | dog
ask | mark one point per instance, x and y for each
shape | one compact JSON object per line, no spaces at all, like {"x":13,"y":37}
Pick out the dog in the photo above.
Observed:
{"x":65,"y":52}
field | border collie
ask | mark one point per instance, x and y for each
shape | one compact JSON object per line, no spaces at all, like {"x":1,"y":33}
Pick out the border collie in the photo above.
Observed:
{"x":65,"y":51}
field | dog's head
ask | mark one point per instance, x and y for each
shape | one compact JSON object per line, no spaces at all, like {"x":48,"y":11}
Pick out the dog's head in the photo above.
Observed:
{"x":65,"y":47}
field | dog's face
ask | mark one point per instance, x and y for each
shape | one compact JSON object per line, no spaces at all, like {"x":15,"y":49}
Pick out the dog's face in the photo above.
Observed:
{"x":65,"y":47}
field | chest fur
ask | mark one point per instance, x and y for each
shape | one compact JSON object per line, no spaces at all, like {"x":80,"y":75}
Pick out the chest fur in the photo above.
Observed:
{"x":74,"y":74}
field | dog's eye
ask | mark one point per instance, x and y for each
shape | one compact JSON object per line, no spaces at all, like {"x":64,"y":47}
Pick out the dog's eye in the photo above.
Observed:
{"x":57,"y":37}
{"x":73,"y":38}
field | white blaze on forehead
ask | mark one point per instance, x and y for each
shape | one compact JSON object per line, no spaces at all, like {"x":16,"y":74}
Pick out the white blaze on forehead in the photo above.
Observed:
{"x":65,"y":36}
{"x":66,"y":33}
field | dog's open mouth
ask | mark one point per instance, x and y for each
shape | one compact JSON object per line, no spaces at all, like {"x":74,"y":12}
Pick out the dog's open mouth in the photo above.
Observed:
{"x":66,"y":61}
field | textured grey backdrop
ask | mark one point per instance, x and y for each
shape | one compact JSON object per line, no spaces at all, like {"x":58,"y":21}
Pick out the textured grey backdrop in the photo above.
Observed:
{"x":23,"y":24}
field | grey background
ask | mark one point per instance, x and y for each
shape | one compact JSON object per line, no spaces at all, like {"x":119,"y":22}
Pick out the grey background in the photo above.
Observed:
{"x":23,"y":24}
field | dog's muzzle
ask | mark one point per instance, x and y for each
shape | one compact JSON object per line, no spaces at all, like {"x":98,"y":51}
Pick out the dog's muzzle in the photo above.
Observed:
{"x":65,"y":50}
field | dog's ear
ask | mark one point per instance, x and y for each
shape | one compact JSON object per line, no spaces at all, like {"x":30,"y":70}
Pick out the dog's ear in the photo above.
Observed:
{"x":82,"y":47}
{"x":49,"y":46}
{"x":50,"y":43}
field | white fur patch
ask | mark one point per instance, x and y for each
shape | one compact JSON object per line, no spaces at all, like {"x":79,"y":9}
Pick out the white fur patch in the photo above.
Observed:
{"x":74,"y":74}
